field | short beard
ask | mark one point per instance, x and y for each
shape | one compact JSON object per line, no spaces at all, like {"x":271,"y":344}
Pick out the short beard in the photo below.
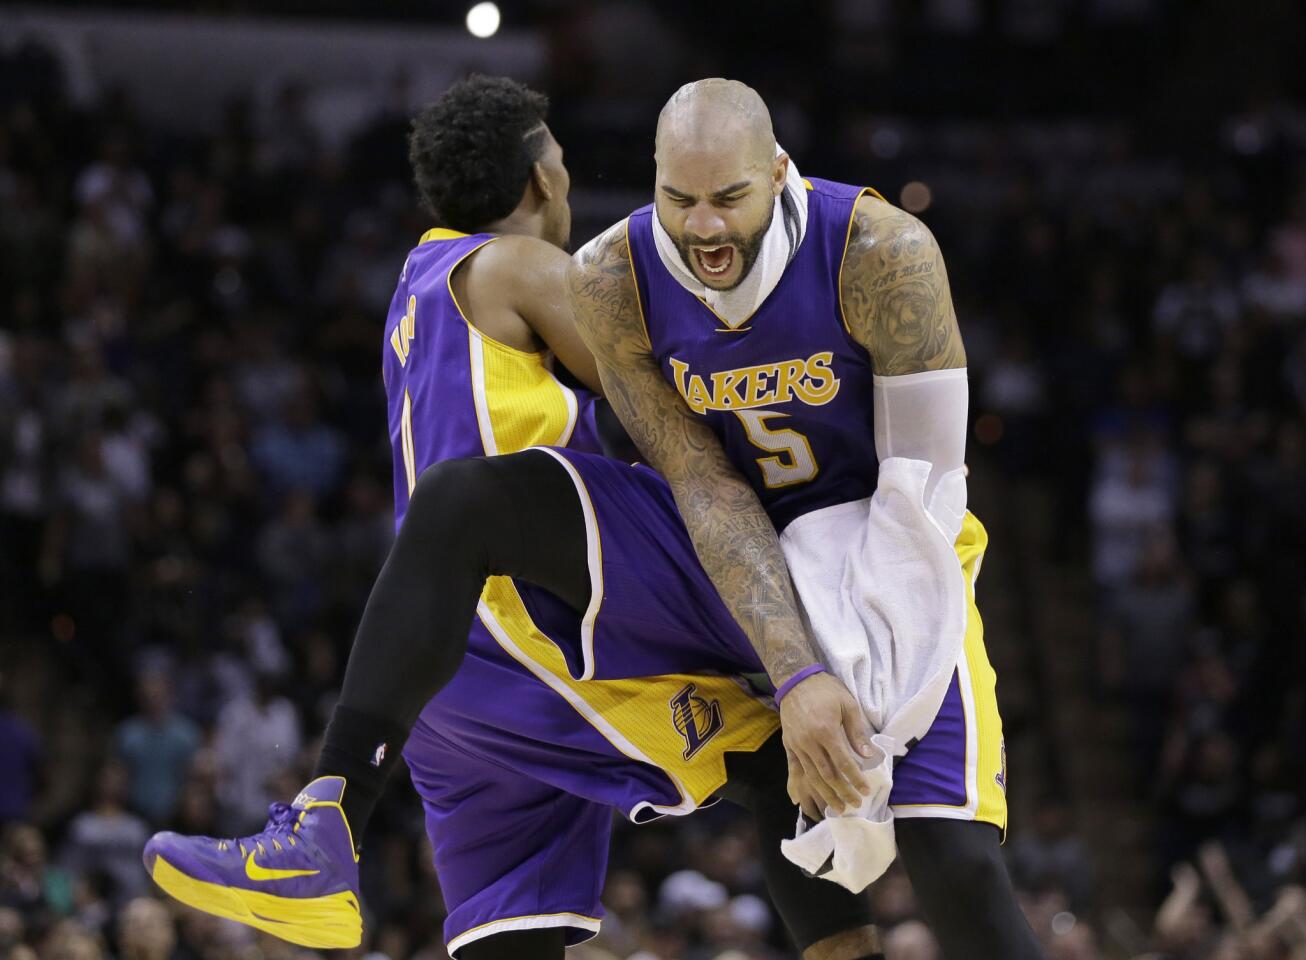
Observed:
{"x":747,"y":247}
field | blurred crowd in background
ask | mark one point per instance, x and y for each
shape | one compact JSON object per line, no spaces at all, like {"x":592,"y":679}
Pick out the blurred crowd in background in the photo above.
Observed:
{"x":194,"y":469}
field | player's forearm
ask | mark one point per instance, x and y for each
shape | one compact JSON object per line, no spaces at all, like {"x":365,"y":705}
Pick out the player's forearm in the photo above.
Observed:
{"x":734,"y":538}
{"x":738,"y":547}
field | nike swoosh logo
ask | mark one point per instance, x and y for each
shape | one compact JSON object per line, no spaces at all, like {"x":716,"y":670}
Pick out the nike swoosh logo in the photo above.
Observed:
{"x":256,"y":872}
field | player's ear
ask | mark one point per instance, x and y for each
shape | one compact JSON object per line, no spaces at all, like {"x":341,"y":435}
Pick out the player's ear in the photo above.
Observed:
{"x":540,"y":182}
{"x":779,"y":172}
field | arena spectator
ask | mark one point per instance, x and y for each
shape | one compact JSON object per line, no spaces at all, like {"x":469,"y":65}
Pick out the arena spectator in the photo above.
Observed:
{"x":20,"y":759}
{"x":146,"y":931}
{"x":254,"y":737}
{"x":156,"y":746}
{"x":106,"y":839}
{"x":296,"y":449}
{"x":27,"y":880}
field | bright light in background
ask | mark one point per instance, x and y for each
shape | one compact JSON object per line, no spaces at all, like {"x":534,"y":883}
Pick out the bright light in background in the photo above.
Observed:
{"x":483,"y":20}
{"x":915,"y":197}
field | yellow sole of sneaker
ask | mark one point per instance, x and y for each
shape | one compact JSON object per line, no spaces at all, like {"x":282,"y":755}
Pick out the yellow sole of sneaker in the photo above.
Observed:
{"x":330,"y":922}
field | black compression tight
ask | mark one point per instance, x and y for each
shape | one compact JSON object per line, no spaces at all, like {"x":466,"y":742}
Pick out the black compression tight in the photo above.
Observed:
{"x":518,"y":945}
{"x":467,"y":520}
{"x":516,"y":515}
{"x":963,"y":889}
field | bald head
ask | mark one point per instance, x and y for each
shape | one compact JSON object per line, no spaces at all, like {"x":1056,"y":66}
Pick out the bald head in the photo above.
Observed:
{"x":717,"y":178}
{"x":716,"y":112}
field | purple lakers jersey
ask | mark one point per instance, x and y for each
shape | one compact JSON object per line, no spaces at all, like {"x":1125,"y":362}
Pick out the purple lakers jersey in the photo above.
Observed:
{"x":454,"y":391}
{"x":788,"y":391}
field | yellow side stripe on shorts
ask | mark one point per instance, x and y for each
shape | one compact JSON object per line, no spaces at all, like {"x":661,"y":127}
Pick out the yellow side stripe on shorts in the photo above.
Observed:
{"x":640,"y":710}
{"x":986,"y":798}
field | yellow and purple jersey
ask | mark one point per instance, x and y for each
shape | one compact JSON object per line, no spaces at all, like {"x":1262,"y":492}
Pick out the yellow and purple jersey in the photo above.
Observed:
{"x":787,"y":390}
{"x":453,"y":390}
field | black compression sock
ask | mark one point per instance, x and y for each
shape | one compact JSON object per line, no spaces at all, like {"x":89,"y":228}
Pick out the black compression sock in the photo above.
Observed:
{"x":363,"y":749}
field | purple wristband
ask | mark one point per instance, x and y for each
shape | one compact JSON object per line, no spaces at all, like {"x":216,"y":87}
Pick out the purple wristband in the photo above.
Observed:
{"x":783,"y":690}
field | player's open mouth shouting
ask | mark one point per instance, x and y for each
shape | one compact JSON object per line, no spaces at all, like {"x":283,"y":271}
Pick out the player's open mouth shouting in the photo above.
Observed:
{"x":716,"y":260}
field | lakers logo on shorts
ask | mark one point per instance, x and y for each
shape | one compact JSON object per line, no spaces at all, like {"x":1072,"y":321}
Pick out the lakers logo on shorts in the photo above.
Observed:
{"x":697,"y":719}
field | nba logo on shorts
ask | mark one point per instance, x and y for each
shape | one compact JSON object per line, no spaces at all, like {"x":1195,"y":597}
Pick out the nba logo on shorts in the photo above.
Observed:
{"x":697,"y":720}
{"x":378,"y":756}
{"x":1000,"y":778}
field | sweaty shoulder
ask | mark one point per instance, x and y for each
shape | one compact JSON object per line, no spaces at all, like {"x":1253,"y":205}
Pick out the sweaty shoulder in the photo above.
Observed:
{"x":510,"y":254}
{"x":497,"y":284}
{"x":893,"y":288}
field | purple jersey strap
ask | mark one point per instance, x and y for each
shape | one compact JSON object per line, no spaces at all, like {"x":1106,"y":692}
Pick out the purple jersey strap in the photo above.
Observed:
{"x":783,"y":690}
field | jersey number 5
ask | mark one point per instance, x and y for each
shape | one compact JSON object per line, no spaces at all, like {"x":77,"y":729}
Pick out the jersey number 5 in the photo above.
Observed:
{"x":793,"y":461}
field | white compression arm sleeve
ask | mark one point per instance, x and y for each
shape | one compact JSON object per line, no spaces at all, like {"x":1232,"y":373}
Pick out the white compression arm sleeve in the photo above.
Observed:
{"x":922,"y":416}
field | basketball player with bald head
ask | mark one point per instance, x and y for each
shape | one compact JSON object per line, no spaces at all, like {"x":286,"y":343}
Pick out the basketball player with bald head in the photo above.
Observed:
{"x":772,"y":343}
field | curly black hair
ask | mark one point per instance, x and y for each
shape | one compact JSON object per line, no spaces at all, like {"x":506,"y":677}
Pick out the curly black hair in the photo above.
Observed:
{"x":471,"y":153}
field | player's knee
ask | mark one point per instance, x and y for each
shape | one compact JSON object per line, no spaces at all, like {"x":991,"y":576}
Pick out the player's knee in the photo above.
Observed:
{"x":449,"y":498}
{"x":966,"y":853}
{"x":976,"y":866}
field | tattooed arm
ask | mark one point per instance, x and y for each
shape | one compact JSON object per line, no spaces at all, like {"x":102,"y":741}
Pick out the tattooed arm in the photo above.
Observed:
{"x":895,"y":295}
{"x":732,"y":534}
{"x":734,"y":538}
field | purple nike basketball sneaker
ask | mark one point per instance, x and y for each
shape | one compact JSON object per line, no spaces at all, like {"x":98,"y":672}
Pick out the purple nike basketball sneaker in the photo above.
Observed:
{"x":297,"y":879}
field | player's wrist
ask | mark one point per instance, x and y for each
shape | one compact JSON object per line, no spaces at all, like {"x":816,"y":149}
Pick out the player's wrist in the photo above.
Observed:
{"x":783,"y":689}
